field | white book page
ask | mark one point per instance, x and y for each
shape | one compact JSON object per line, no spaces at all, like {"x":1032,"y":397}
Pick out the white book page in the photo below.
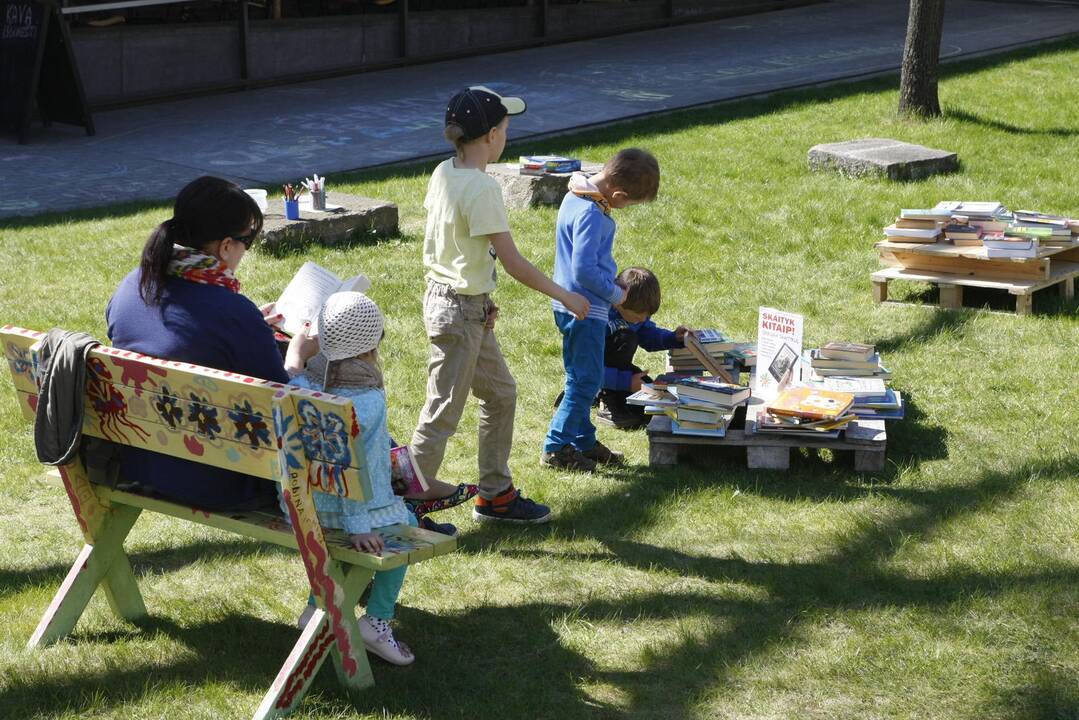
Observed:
{"x":358,"y":283}
{"x":304,"y":295}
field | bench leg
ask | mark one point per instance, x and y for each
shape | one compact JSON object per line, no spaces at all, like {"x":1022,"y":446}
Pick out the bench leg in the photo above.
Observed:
{"x":299,"y":670}
{"x":102,"y":560}
{"x":1024,"y":304}
{"x":1067,"y":289}
{"x":768,"y":458}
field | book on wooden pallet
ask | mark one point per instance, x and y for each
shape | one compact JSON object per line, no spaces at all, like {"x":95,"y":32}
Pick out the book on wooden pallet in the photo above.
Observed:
{"x":744,"y":354}
{"x":711,"y":390}
{"x":698,"y":429}
{"x":818,"y":362}
{"x":808,"y":403}
{"x":866,"y":390}
{"x":1033,"y":217}
{"x":649,"y":396}
{"x":999,"y":245}
{"x":973,"y":209}
{"x":881,"y":411}
{"x":931,"y":214}
{"x":843,"y":350}
{"x":910,"y":224}
{"x":910,"y":235}
{"x":774,"y":424}
{"x":963,"y":235}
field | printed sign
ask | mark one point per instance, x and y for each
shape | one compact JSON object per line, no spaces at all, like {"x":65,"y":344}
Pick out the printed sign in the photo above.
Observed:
{"x":779,"y":349}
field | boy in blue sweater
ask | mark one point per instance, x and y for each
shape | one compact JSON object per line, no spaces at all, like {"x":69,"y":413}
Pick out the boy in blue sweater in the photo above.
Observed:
{"x":628,"y":327}
{"x":584,"y":238}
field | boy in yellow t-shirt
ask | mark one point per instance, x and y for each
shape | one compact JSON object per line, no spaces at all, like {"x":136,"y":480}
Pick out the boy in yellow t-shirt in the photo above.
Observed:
{"x":467,"y":230}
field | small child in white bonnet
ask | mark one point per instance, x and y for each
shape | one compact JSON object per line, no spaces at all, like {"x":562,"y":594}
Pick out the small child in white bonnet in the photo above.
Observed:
{"x":350,"y":328}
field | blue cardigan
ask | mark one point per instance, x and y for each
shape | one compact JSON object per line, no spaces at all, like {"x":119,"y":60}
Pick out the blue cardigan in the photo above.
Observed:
{"x":205,"y":325}
{"x":583,"y":261}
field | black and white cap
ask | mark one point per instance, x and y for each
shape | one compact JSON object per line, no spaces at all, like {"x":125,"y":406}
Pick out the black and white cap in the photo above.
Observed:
{"x":478,"y":109}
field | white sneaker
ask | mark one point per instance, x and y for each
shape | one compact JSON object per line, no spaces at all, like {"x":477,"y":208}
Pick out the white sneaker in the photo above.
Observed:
{"x":378,"y":638}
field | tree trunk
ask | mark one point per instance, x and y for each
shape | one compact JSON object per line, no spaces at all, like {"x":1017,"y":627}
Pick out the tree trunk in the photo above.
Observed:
{"x":921,"y":55}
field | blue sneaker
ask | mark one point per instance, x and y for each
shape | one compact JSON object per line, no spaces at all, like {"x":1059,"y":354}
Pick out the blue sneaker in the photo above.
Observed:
{"x":445,"y":528}
{"x":511,"y":507}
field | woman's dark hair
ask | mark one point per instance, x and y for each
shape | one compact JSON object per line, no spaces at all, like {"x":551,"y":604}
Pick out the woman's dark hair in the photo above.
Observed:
{"x":206,"y":210}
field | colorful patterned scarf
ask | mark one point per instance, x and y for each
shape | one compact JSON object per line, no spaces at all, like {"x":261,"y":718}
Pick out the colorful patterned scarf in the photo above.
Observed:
{"x":193,"y":266}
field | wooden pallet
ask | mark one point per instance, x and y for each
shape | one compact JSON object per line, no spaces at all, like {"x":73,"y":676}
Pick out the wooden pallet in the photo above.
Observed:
{"x":952,"y":268}
{"x":867,"y":439}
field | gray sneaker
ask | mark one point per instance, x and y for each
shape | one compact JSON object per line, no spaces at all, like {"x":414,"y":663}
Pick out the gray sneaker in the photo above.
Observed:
{"x":568,"y":458}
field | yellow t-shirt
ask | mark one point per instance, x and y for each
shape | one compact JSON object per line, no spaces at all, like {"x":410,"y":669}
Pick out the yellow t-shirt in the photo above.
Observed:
{"x":463,"y":206}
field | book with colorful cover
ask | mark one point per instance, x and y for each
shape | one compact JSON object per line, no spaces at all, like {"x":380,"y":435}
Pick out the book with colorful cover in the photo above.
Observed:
{"x":551,"y":163}
{"x":405,"y":475}
{"x":811,"y":403}
{"x":712,"y":390}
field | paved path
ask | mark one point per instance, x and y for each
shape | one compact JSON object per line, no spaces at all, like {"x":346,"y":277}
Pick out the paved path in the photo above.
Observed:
{"x":261,"y":137}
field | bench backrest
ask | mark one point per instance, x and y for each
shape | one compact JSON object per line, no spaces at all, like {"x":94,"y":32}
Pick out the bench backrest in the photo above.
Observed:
{"x":208,"y":416}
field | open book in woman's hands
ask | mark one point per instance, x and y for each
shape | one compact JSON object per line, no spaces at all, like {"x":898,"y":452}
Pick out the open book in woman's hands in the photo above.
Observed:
{"x":308,"y":290}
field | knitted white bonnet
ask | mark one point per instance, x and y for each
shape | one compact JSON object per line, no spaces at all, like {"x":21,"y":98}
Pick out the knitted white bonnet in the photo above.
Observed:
{"x":349,"y":324}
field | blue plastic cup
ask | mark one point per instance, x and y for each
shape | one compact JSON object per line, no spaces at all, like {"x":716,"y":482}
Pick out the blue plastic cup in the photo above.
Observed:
{"x":292,"y":209}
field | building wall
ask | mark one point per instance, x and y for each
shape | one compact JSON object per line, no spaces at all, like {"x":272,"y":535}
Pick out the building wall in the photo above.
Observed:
{"x":130,"y":63}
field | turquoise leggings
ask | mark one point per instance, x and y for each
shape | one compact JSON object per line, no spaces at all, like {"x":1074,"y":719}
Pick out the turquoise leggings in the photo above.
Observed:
{"x":385,"y":588}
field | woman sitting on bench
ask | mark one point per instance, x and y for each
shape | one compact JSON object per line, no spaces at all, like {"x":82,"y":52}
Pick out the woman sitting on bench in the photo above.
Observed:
{"x":183,"y":303}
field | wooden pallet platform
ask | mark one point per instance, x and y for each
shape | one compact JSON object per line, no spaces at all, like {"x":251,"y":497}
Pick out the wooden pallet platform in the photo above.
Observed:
{"x":952,"y":268}
{"x":867,"y":439}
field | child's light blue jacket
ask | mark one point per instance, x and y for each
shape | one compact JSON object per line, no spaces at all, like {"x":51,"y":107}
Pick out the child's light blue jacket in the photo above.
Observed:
{"x":383,"y":508}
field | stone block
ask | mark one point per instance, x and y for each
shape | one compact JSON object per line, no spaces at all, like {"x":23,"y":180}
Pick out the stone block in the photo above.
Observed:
{"x":524,"y":191}
{"x":882,"y":157}
{"x":359,"y":217}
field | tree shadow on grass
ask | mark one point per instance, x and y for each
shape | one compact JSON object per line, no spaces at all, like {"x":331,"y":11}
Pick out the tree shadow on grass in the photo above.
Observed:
{"x":533,"y":659}
{"x":976,"y":119}
{"x":167,"y":559}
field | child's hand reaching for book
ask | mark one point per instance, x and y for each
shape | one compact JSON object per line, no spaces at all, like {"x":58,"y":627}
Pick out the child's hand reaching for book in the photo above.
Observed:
{"x":680,"y":333}
{"x":270,"y":315}
{"x":367,"y":542}
{"x":635,"y":381}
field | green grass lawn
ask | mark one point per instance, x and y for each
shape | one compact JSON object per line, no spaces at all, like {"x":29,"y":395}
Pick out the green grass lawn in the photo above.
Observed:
{"x":945,"y":587}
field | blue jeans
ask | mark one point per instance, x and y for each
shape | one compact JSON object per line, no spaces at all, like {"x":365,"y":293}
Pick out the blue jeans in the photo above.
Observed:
{"x":582,"y":356}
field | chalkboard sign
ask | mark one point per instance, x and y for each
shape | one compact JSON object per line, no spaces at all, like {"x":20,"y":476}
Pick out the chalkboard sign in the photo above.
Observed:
{"x":37,"y":68}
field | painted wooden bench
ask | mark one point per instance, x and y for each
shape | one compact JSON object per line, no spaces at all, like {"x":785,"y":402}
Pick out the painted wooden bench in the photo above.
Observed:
{"x":304,"y":440}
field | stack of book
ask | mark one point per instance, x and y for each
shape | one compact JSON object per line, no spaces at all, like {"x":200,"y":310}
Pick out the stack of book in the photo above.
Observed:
{"x":714,"y":342}
{"x":697,"y":405}
{"x":845,"y":359}
{"x":918,"y":226}
{"x":1011,"y":243}
{"x":807,"y":411}
{"x":963,"y":234}
{"x":544,"y":164}
{"x":873,"y":399}
{"x":1060,"y":230}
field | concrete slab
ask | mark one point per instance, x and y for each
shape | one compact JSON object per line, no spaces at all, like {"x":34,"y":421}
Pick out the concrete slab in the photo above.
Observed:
{"x":280,"y":134}
{"x":357,"y":217}
{"x":882,"y":157}
{"x":524,"y":191}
